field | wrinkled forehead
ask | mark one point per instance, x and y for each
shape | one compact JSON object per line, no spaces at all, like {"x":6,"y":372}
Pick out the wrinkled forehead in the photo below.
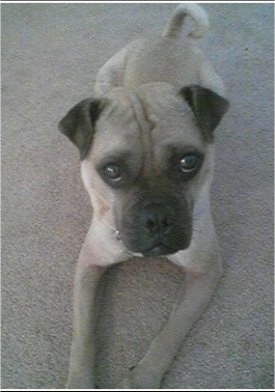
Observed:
{"x":153,"y":117}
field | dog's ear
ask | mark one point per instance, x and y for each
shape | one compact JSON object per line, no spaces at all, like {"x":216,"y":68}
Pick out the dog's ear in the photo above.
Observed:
{"x":208,"y":107}
{"x":79,"y":124}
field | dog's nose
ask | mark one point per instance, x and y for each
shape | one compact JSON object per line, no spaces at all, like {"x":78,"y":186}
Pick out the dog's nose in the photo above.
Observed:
{"x":156,"y":220}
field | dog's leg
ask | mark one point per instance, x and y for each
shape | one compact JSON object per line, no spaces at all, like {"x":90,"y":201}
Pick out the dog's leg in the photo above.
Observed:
{"x":210,"y":79}
{"x":111,"y":74}
{"x":194,"y":297}
{"x":87,"y":277}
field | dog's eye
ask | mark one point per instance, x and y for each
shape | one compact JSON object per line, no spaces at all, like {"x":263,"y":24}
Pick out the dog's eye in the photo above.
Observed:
{"x":188,"y":163}
{"x":113,"y":172}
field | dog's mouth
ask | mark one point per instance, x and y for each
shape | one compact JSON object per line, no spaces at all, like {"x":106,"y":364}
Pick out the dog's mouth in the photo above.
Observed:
{"x":154,"y":250}
{"x":159,"y":250}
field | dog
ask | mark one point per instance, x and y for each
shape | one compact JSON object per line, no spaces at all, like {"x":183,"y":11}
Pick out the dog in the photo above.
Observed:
{"x":146,"y":143}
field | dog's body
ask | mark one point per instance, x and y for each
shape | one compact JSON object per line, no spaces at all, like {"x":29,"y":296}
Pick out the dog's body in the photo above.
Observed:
{"x":146,"y":144}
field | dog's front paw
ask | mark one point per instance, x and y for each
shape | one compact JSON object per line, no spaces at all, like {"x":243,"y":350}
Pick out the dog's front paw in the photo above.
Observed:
{"x":139,"y":378}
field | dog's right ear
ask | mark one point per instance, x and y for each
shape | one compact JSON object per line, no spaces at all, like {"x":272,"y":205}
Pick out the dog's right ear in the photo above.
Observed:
{"x":79,"y":124}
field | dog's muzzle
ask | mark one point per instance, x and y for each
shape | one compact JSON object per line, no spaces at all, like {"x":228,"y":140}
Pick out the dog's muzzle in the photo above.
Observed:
{"x":156,"y":229}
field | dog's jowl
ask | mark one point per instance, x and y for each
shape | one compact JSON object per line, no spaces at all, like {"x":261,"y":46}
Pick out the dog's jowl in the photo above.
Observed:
{"x":146,"y":143}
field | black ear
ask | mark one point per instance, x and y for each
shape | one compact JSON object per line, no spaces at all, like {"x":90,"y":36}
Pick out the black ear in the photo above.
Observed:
{"x":207,"y":106}
{"x":79,"y":124}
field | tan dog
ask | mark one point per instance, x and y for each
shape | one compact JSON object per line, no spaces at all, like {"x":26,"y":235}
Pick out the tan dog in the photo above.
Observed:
{"x":146,"y":145}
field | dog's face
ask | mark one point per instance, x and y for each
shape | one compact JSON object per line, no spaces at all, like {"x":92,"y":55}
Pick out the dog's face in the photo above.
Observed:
{"x":146,"y":155}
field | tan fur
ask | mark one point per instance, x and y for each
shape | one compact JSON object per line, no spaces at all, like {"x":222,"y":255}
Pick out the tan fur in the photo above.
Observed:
{"x":144,"y":115}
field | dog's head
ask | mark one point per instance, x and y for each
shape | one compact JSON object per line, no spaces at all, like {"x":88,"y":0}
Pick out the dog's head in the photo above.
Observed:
{"x":146,"y":155}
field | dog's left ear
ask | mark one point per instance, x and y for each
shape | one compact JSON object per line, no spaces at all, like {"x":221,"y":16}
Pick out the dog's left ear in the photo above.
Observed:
{"x":79,"y":124}
{"x":208,"y":107}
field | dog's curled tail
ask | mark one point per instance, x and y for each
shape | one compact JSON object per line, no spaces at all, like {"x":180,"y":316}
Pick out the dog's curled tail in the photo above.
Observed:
{"x":175,"y":24}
